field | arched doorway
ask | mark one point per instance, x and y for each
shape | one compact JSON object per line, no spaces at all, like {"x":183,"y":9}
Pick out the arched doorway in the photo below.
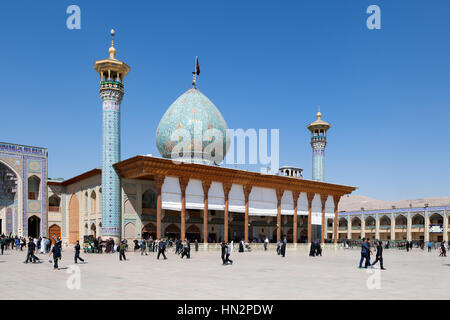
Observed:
{"x":436,"y":228}
{"x":9,"y":192}
{"x":130,"y":231}
{"x":172,"y":232}
{"x":73,"y":219}
{"x":54,"y":232}
{"x":290,"y":235}
{"x":34,"y":227}
{"x":193,"y":233}
{"x":149,"y":230}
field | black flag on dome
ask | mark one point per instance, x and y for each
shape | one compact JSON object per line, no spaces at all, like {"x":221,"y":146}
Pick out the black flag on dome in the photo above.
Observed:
{"x":197,"y":66}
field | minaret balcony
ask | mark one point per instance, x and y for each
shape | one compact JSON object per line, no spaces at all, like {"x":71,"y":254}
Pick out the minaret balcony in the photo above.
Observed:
{"x":114,"y":85}
{"x":318,"y":138}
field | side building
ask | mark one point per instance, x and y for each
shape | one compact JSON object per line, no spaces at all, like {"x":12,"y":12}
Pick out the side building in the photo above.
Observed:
{"x":427,"y":224}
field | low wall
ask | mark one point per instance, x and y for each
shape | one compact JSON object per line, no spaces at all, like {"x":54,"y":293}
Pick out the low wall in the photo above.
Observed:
{"x":270,"y":246}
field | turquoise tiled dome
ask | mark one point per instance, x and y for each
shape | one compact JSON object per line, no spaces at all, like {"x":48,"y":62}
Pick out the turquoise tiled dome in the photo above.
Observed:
{"x":191,"y":110}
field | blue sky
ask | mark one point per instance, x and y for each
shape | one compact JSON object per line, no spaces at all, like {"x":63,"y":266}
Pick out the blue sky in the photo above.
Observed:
{"x":265,"y":64}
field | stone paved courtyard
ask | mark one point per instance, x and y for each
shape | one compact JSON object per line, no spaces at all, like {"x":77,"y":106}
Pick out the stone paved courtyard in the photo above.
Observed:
{"x":254,"y":275}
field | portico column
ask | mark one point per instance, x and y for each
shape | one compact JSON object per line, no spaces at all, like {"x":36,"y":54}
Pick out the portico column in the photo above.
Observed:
{"x":323,"y":199}
{"x":295,"y":195}
{"x":445,"y":220}
{"x":226,"y":192}
{"x":279,"y":196}
{"x":159,"y":180}
{"x":349,"y":227}
{"x":408,"y":227}
{"x":363,"y":226}
{"x":247,"y":190}
{"x":392,"y":226}
{"x":310,"y":197}
{"x":427,"y":227}
{"x":377,"y":227}
{"x":183,"y":184}
{"x":336,"y":223}
{"x":205,"y":185}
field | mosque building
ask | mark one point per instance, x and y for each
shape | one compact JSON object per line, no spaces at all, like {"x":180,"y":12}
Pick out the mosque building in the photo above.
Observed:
{"x":190,"y":197}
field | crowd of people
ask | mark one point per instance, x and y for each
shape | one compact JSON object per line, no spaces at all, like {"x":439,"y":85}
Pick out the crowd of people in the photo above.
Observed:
{"x":43,"y":245}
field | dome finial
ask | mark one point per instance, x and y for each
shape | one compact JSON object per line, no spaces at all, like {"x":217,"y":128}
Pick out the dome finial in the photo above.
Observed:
{"x":319,"y":114}
{"x":112,"y":50}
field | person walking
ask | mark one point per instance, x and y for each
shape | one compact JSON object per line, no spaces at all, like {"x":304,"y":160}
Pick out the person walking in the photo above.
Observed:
{"x":283,"y":247}
{"x":30,"y":253}
{"x":185,"y":249}
{"x":122,"y":251}
{"x":143,"y":246}
{"x":228,"y":253}
{"x":278,"y":247}
{"x":196,"y":245}
{"x":266,"y":242}
{"x":365,"y":253}
{"x":56,"y":251}
{"x":429,"y":245}
{"x":379,"y":255}
{"x":443,"y":250}
{"x":161,"y":249}
{"x":241,"y":246}
{"x":77,"y":253}
{"x":2,"y":243}
{"x":223,"y":246}
{"x":188,"y":244}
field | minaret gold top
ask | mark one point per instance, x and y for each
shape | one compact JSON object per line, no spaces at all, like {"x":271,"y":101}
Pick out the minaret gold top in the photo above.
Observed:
{"x":111,"y":69}
{"x":319,"y":123}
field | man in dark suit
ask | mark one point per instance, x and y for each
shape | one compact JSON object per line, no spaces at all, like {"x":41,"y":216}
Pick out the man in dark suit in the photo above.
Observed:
{"x":365,"y":253}
{"x":379,"y":255}
{"x":77,"y":253}
{"x":162,"y":249}
{"x":224,"y":251}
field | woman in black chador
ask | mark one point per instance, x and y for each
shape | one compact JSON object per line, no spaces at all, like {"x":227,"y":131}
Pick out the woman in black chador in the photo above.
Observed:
{"x":241,"y":246}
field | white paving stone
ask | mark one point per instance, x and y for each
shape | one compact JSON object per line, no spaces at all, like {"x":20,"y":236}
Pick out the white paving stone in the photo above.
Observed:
{"x":254,"y":275}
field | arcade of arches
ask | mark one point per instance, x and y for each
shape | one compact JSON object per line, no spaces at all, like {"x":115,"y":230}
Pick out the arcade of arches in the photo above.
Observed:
{"x":430,"y":225}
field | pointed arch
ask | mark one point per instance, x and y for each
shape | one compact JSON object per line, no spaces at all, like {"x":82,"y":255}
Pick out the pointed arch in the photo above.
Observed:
{"x":34,"y":183}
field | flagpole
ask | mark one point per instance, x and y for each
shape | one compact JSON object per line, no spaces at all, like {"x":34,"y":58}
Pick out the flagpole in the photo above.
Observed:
{"x":194,"y":80}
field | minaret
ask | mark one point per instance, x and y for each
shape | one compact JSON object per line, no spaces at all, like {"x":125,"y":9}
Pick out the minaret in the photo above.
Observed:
{"x":318,"y":130}
{"x":112,"y":73}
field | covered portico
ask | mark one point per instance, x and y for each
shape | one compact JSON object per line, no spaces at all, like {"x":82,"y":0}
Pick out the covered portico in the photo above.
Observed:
{"x":249,"y":198}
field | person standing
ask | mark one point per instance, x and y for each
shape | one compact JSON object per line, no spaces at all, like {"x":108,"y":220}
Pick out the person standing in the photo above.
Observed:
{"x":56,"y":251}
{"x":196,"y":245}
{"x":429,"y":245}
{"x":122,"y":250}
{"x":227,"y":257}
{"x":143,"y":247}
{"x":379,"y":255}
{"x":77,"y":253}
{"x":278,"y":247}
{"x":161,"y":249}
{"x":407,"y":246}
